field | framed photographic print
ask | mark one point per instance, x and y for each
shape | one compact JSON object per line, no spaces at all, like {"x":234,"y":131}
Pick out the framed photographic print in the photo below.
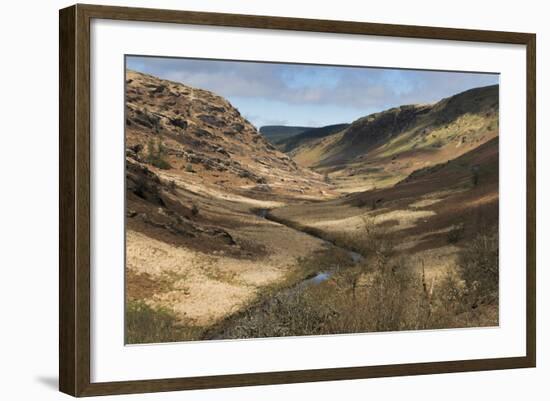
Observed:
{"x":250,"y":200}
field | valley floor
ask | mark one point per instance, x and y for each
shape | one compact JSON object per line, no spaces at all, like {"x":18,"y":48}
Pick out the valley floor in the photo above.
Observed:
{"x":247,"y":252}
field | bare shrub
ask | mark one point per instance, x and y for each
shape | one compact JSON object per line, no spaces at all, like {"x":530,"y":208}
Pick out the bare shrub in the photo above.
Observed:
{"x":349,"y":278}
{"x":376,"y":240}
{"x":478,"y":267}
{"x":447,"y":302}
{"x":371,"y":240}
{"x":450,"y":292}
{"x":382,"y":292}
{"x":390,"y":295}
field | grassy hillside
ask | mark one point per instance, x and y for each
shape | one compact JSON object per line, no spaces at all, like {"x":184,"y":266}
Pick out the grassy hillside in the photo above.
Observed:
{"x":431,"y":251}
{"x":383,"y":148}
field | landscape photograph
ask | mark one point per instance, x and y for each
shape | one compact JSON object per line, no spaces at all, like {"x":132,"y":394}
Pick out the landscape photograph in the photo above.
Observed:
{"x":268,"y":199}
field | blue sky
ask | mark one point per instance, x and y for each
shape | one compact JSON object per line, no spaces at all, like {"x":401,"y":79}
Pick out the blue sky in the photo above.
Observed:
{"x":309,"y":95}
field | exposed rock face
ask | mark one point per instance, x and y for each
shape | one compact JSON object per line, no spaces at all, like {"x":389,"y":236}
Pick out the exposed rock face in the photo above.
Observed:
{"x":143,"y":183}
{"x":379,"y":127}
{"x":153,"y":202}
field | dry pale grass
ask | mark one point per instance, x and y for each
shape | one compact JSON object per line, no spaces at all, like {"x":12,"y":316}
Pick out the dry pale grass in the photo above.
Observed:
{"x":405,"y":218}
{"x":204,"y":288}
{"x":424,"y":203}
{"x":193,"y":294}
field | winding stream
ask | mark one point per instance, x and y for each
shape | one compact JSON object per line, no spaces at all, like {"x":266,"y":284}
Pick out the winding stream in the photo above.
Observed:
{"x":320,"y":276}
{"x":232,"y":326}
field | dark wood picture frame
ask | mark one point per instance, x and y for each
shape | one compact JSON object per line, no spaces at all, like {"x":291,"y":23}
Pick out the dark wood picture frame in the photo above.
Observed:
{"x":74,"y":202}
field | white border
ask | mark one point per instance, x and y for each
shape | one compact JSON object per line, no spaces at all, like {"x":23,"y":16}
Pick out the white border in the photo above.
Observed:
{"x":112,"y":361}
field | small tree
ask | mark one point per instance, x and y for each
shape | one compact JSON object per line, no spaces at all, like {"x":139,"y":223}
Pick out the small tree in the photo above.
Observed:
{"x":156,"y":153}
{"x":151,"y":152}
{"x":350,"y":278}
{"x":161,"y":148}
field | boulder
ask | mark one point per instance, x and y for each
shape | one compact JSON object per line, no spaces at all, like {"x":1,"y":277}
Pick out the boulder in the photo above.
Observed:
{"x":178,"y":122}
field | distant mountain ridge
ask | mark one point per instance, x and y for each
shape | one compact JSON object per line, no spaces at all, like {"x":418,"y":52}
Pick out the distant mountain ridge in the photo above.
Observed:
{"x":288,"y":144}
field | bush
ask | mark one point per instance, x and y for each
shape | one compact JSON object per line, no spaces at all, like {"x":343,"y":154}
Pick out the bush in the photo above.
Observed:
{"x":373,"y":240}
{"x":455,"y":234}
{"x":189,"y":168}
{"x":478,"y":267}
{"x":379,"y":293}
{"x":392,"y":298}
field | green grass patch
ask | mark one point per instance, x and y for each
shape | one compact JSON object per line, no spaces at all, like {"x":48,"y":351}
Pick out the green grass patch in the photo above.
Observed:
{"x":145,"y":324}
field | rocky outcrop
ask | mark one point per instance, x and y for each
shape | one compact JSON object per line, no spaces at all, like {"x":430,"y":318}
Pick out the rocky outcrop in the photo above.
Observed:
{"x":196,"y":126}
{"x":162,"y":210}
